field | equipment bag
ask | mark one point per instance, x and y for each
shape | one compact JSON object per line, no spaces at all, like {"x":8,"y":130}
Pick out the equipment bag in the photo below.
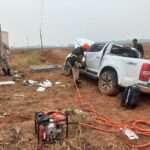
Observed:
{"x":130,"y":97}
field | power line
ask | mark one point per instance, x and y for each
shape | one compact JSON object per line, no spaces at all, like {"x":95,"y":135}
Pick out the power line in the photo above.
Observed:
{"x":42,"y":12}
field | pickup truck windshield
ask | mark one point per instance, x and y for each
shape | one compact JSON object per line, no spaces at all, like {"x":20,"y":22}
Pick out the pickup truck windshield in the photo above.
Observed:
{"x":96,"y":47}
{"x":124,"y":51}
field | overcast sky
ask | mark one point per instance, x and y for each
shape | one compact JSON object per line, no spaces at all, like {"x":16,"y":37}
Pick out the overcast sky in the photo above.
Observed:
{"x":63,"y":21}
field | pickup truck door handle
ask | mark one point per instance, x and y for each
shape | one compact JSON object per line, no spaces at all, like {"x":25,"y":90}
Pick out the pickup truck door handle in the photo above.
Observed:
{"x":131,"y":63}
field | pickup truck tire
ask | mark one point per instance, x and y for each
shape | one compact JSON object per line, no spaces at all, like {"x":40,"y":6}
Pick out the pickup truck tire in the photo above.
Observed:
{"x":67,"y":68}
{"x":108,"y":82}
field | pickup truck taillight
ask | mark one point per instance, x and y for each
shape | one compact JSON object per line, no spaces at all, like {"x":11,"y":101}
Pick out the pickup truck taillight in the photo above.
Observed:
{"x":145,"y":72}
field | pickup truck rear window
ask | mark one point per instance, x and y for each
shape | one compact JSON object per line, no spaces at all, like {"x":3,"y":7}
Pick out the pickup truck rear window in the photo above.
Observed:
{"x":124,"y":51}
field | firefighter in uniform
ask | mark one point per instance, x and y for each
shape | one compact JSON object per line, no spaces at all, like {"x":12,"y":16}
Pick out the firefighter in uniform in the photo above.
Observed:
{"x":139,"y":47}
{"x":4,"y":59}
{"x":75,"y":61}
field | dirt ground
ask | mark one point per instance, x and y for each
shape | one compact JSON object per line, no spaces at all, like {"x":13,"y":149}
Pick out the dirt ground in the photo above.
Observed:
{"x":18,"y":103}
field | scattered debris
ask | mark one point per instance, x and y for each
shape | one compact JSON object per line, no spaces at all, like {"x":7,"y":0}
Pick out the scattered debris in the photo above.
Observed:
{"x":130,"y":134}
{"x":30,"y":82}
{"x":7,"y":82}
{"x":17,"y":77}
{"x":41,"y":89}
{"x":3,"y":114}
{"x":46,"y":84}
{"x":42,"y":86}
{"x":63,"y":85}
{"x":45,"y":68}
{"x":60,"y":84}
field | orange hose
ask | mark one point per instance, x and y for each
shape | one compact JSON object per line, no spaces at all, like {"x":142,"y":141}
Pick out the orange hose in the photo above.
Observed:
{"x":106,"y":122}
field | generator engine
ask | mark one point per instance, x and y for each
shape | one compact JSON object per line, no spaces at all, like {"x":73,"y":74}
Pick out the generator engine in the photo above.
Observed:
{"x":51,"y":127}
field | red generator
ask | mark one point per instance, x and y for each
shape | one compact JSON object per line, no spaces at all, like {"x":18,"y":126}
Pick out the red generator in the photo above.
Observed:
{"x":51,"y":127}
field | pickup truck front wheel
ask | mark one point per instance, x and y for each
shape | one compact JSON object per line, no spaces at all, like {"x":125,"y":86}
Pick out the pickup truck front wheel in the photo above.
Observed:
{"x":108,"y":83}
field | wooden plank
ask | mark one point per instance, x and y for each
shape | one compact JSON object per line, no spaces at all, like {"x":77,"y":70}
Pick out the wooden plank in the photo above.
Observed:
{"x":45,"y":68}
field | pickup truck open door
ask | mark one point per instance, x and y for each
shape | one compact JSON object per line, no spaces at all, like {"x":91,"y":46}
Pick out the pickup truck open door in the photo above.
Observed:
{"x":94,"y":56}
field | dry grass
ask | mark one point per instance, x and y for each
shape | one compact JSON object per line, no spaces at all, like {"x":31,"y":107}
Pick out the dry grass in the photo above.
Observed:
{"x":147,"y":51}
{"x":25,"y":59}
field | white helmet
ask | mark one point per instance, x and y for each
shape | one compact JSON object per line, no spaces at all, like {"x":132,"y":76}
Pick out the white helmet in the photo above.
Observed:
{"x":81,"y":42}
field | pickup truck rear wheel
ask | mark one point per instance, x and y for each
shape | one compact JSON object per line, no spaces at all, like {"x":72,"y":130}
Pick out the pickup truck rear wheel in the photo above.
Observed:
{"x":108,"y":83}
{"x":67,"y":68}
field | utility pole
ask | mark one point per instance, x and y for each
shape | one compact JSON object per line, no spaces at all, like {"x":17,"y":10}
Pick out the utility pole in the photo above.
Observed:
{"x":1,"y":44}
{"x":41,"y":38}
{"x":27,"y":40}
{"x":41,"y":22}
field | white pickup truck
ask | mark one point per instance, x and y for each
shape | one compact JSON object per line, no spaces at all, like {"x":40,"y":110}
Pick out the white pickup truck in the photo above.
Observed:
{"x":115,"y":66}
